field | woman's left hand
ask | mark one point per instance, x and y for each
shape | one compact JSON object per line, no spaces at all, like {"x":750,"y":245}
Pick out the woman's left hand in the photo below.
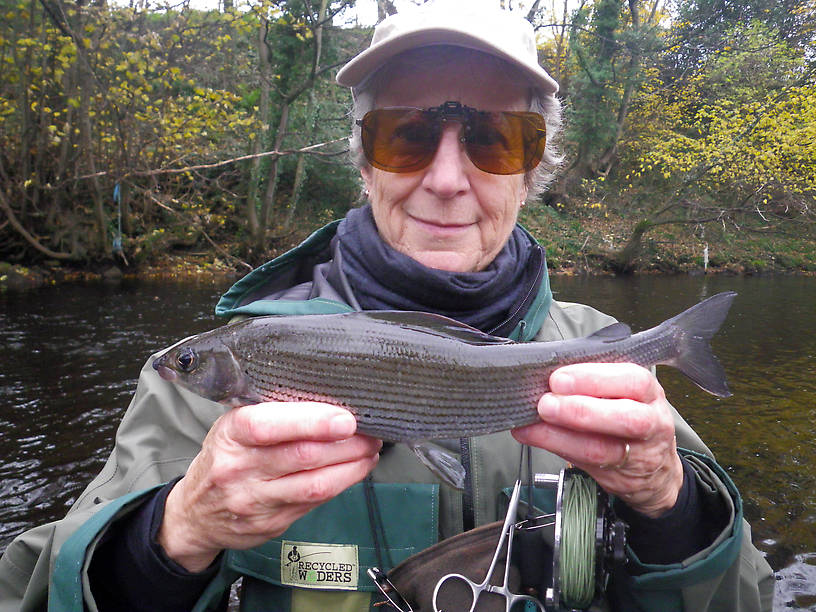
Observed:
{"x":612,"y":420}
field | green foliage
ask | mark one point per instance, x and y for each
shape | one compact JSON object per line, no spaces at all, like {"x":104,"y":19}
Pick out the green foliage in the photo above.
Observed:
{"x":611,"y":42}
{"x":719,"y":124}
{"x":93,"y":96}
{"x":706,"y":27}
{"x":595,"y":93}
{"x":739,"y":134}
{"x":703,"y":114}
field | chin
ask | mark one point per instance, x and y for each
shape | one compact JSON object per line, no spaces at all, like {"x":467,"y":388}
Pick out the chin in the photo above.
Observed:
{"x":447,"y":261}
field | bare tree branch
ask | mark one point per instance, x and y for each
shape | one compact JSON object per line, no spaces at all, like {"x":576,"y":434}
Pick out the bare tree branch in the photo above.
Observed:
{"x":197,"y":227}
{"x":12,"y":219}
{"x":226,"y":162}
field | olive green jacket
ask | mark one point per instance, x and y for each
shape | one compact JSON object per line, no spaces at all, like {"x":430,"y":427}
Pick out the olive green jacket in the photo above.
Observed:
{"x":165,"y":425}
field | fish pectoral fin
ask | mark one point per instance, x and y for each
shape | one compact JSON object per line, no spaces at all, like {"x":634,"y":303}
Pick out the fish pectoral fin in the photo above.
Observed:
{"x":440,"y":462}
{"x":249,"y":399}
{"x":612,"y":333}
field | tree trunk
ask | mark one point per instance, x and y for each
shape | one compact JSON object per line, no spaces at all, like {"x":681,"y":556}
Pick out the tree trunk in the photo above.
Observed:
{"x":624,"y":260}
{"x":86,"y":143}
{"x":311,"y":114}
{"x":85,"y":87}
{"x":607,"y":159}
{"x":253,"y":222}
{"x":272,"y":181}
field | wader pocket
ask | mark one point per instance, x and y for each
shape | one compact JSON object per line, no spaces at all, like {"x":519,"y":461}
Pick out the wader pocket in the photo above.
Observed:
{"x":323,"y":557}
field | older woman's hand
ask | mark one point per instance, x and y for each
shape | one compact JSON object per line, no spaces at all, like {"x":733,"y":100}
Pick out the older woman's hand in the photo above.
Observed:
{"x":261,"y":468}
{"x":612,"y":420}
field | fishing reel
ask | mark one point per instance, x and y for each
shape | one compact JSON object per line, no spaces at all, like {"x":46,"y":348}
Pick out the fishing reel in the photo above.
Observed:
{"x":589,"y":540}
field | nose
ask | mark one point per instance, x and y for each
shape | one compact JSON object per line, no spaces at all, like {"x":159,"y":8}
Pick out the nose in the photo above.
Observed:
{"x":447,"y":176}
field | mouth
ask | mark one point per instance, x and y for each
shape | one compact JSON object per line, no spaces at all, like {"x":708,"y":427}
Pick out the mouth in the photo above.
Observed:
{"x":442,"y":228}
{"x":165,"y":372}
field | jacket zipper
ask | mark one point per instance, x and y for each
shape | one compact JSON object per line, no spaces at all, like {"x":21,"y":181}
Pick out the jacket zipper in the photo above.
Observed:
{"x":468,"y":511}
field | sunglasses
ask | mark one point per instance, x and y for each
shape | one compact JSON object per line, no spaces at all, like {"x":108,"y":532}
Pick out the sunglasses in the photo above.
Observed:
{"x":405,"y":139}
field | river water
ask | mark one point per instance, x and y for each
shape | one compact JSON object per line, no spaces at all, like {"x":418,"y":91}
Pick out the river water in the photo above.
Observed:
{"x":71,"y":355}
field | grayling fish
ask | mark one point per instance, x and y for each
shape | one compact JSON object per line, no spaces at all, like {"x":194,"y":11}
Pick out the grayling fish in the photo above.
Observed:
{"x":414,"y":377}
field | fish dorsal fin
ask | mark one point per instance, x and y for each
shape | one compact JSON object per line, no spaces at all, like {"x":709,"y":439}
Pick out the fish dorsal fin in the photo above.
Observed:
{"x":612,"y":333}
{"x":433,"y":324}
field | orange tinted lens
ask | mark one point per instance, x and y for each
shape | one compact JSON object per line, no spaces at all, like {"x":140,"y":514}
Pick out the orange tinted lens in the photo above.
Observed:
{"x":399,"y":139}
{"x":406,"y":139}
{"x":505,"y":142}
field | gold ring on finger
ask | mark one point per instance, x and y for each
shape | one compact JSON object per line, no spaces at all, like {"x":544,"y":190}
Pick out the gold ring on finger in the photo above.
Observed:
{"x":623,"y":461}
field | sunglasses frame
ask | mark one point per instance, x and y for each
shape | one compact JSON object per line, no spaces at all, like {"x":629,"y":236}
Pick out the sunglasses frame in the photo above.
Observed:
{"x":456,"y":111}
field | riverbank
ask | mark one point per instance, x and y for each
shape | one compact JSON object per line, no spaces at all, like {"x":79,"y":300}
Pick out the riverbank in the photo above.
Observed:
{"x":176,"y":266}
{"x":17,"y":277}
{"x":587,"y":244}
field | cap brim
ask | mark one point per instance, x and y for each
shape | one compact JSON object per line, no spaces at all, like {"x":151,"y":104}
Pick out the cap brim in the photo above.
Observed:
{"x":369,"y":61}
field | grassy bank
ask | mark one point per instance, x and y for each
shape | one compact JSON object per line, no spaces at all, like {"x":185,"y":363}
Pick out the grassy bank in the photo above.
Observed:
{"x":588,"y":242}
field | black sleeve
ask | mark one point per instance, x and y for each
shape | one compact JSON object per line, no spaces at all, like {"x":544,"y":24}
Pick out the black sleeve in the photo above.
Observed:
{"x":681,"y":532}
{"x":130,"y":571}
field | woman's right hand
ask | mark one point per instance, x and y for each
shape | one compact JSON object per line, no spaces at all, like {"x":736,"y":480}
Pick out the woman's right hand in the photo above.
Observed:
{"x":260,"y":468}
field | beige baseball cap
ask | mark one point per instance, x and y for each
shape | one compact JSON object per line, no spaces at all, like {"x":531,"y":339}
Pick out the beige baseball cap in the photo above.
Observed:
{"x":465,"y":23}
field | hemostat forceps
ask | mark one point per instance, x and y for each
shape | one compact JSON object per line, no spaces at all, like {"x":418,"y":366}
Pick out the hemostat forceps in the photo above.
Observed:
{"x":477,"y":590}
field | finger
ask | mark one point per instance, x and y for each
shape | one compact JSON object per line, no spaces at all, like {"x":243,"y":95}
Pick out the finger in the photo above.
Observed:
{"x":318,"y":486}
{"x":609,"y":380}
{"x":290,"y":457}
{"x":269,"y":506}
{"x":275,"y":422}
{"x":309,"y":487}
{"x":576,"y":447}
{"x":622,"y":418}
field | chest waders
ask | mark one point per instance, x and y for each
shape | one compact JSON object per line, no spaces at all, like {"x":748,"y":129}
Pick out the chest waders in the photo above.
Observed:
{"x":299,"y":572}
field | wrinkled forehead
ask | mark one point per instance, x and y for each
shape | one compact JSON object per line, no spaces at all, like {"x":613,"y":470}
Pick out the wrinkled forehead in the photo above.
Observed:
{"x":432,"y":75}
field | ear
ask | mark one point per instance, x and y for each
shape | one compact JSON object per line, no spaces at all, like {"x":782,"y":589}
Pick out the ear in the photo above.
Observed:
{"x":368,"y":175}
{"x":524,"y":193}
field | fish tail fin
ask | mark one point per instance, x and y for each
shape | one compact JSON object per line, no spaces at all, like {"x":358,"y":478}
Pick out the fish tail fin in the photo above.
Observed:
{"x":695,"y":358}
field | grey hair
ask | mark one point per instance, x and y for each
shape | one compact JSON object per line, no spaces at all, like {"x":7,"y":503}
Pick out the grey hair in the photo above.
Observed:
{"x":547,"y":105}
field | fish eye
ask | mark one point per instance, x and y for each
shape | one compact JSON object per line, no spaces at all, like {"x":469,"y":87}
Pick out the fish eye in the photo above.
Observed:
{"x":187,"y":360}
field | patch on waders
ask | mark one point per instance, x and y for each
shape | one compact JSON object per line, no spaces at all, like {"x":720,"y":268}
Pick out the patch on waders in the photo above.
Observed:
{"x":313,"y":565}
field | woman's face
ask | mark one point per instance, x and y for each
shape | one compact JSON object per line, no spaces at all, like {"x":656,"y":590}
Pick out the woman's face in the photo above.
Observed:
{"x":449,"y":215}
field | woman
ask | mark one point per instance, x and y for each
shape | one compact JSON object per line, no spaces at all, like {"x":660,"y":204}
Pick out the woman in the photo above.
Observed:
{"x":454,"y":127}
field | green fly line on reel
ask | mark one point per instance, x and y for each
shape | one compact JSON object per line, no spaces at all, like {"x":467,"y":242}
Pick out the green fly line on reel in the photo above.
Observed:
{"x":579,"y":515}
{"x":588,"y":539}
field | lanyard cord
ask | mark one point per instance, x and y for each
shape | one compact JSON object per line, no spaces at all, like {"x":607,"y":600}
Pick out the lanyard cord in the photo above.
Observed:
{"x":376,"y":524}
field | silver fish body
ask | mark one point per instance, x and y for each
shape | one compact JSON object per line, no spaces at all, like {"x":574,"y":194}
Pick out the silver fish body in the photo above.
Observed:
{"x":415,"y":376}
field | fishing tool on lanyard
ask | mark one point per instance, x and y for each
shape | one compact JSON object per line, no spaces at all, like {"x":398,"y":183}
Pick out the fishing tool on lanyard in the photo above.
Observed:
{"x":588,"y":539}
{"x":477,"y":590}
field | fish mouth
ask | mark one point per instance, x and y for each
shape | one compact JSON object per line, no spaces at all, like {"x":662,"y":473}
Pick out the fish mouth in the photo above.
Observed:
{"x":165,"y":372}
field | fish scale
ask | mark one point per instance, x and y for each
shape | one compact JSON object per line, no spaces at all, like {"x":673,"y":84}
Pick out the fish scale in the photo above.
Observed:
{"x":405,"y":398}
{"x":412,"y":398}
{"x":418,"y":376}
{"x":417,"y":391}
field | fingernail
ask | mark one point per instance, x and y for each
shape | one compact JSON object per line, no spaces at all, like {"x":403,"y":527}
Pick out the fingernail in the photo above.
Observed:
{"x":548,"y":406}
{"x":343,"y":425}
{"x":561,"y":382}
